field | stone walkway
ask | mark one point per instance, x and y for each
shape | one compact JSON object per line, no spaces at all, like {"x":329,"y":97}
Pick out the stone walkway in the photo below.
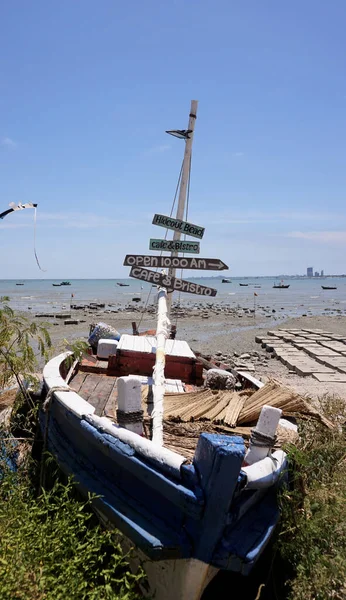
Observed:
{"x":306,"y":352}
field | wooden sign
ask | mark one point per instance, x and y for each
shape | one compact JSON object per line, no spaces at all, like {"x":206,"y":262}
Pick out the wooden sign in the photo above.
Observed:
{"x":174,"y":262}
{"x":174,"y":246}
{"x":171,"y":283}
{"x":178,"y":225}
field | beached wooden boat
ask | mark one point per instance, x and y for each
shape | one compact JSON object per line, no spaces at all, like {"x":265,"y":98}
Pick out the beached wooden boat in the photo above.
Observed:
{"x":170,"y":469}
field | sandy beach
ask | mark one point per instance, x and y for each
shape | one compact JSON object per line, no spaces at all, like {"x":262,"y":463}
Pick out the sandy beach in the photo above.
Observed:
{"x":214,"y":333}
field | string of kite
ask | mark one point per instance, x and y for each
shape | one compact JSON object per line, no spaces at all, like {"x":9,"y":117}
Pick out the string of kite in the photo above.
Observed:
{"x":19,"y":206}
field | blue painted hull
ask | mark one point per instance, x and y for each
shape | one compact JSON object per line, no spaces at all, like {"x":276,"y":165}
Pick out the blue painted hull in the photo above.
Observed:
{"x":202,"y":514}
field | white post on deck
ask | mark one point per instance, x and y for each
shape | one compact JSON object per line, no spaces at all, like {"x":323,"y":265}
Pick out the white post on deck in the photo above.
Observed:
{"x":162,"y":333}
{"x":184,"y":183}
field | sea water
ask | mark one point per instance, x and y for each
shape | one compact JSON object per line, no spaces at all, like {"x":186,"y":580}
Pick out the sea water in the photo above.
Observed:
{"x":303,"y":296}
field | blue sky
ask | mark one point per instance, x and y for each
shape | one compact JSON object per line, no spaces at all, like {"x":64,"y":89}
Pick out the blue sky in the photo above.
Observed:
{"x":88,"y":89}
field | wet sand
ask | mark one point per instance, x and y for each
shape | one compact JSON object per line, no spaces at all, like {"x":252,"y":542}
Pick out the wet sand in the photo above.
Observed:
{"x":228,"y":335}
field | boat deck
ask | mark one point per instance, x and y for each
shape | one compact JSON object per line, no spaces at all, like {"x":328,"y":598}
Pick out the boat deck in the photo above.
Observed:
{"x":101,"y":390}
{"x":186,"y":415}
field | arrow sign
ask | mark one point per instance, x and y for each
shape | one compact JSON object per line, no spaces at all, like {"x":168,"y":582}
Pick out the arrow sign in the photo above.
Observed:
{"x":174,"y":262}
{"x":174,"y":246}
{"x":178,"y":225}
{"x":171,"y":283}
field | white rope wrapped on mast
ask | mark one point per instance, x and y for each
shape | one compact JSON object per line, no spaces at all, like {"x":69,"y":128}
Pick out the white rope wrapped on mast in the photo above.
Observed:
{"x":162,"y":333}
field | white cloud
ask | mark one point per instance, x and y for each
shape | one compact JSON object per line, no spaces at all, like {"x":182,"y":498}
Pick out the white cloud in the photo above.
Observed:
{"x":4,"y":225}
{"x":72,"y":220}
{"x":157,"y":150}
{"x":267,"y":217}
{"x":8,"y":142}
{"x":80,"y":220}
{"x":237,"y":154}
{"x":327,"y":237}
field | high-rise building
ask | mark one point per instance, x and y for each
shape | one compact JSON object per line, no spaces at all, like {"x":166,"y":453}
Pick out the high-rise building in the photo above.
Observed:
{"x":317,"y":274}
{"x":310,"y":272}
{"x":322,"y":273}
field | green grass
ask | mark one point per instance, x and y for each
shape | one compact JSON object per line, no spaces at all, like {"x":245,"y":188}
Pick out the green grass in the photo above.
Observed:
{"x":52,"y":548}
{"x":313,"y":535}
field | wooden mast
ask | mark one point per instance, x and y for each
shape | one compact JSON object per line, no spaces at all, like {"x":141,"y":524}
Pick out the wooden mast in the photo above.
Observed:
{"x":164,"y":302}
{"x":184,"y":183}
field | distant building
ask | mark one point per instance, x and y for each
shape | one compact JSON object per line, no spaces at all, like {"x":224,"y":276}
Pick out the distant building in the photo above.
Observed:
{"x":317,"y":274}
{"x":322,"y":273}
{"x":310,"y":272}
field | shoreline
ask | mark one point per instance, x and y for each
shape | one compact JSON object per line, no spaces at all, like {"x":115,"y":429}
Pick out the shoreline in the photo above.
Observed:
{"x":226,"y":335}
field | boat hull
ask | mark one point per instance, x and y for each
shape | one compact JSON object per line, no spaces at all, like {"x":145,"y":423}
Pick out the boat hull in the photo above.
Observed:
{"x":185,"y":522}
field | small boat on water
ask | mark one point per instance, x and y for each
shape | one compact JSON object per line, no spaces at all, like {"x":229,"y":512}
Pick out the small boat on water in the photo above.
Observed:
{"x":123,"y":284}
{"x":56,"y":284}
{"x":19,"y":283}
{"x":329,"y":287}
{"x":244,"y":284}
{"x":226,"y":281}
{"x":132,"y":421}
{"x":65,"y":283}
{"x":281,"y":286}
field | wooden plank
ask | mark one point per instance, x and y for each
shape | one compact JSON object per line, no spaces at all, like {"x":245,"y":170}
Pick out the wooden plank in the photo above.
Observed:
{"x":174,"y":262}
{"x":78,"y":380}
{"x":174,"y":246}
{"x":112,"y":402}
{"x":88,"y":386}
{"x":171,"y":283}
{"x":148,"y":344}
{"x":100,"y":396}
{"x":178,"y":225}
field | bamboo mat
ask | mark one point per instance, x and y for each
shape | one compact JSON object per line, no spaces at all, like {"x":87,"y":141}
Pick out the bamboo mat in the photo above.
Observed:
{"x":188,"y":415}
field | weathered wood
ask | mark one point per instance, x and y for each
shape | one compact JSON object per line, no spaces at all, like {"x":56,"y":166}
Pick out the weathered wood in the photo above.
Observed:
{"x":171,"y":283}
{"x":179,"y":225}
{"x":101,"y":395}
{"x":174,"y":262}
{"x":88,"y":387}
{"x":130,"y":362}
{"x":174,"y":246}
{"x":78,"y":380}
{"x":91,"y":364}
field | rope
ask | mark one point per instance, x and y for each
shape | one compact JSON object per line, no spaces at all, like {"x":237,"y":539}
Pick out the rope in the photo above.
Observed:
{"x":38,"y":264}
{"x":261,"y":440}
{"x":124,"y":418}
{"x":55,"y":388}
{"x":174,"y":201}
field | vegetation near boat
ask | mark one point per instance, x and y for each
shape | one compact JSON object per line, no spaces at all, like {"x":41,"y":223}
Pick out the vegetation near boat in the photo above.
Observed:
{"x":163,"y":453}
{"x":329,"y":287}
